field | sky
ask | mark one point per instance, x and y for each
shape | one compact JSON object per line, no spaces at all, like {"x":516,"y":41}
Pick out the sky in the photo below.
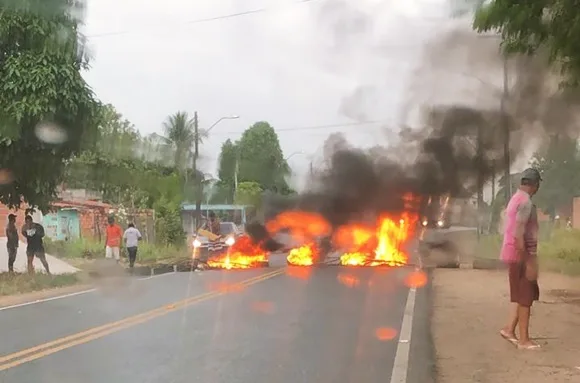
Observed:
{"x":305,"y":66}
{"x":297,"y":64}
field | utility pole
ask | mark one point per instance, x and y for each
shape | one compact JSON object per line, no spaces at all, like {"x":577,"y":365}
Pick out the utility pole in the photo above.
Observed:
{"x":506,"y":131}
{"x":197,"y":178}
{"x":479,"y":166}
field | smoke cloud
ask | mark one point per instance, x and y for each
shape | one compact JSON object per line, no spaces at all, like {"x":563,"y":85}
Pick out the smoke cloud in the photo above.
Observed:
{"x":451,"y":140}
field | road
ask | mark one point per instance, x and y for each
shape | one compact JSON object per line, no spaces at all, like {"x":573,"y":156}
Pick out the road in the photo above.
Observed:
{"x":282,"y":324}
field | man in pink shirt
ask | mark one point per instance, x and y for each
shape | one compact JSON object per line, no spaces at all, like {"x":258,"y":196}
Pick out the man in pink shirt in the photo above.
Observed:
{"x":519,"y":252}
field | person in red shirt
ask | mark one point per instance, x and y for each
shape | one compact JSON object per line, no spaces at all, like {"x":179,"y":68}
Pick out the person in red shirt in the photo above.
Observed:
{"x":114,"y":234}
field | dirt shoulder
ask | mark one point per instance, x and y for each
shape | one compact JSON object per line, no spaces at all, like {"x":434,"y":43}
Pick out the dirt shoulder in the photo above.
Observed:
{"x":470,"y":306}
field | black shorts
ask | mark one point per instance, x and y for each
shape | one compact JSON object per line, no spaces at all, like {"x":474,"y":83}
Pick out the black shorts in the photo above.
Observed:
{"x":38,"y":253}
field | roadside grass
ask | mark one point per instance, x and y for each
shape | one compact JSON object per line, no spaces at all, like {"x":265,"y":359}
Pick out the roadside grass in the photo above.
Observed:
{"x":82,"y":251}
{"x":12,"y":284}
{"x":558,"y":249}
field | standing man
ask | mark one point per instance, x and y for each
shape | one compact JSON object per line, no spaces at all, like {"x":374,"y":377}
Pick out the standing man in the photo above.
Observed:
{"x":519,"y":251}
{"x":12,"y":241}
{"x":34,"y":232}
{"x":132,"y":237}
{"x":213,"y":224}
{"x":113,"y":234}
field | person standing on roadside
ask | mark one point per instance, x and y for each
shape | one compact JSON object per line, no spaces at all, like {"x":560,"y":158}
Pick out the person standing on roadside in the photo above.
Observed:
{"x":132,"y":237}
{"x":519,"y":251}
{"x":34,"y":232}
{"x":12,"y":241}
{"x":113,"y":234}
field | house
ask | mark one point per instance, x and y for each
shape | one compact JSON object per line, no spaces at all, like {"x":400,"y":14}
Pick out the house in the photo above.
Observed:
{"x":70,"y":220}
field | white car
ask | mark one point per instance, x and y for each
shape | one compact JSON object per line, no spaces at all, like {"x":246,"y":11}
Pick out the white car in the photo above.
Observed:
{"x":229,"y":235}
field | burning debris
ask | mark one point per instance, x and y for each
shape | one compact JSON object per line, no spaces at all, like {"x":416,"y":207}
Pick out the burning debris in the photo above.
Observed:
{"x":306,"y":255}
{"x":391,"y":239}
{"x":243,"y":254}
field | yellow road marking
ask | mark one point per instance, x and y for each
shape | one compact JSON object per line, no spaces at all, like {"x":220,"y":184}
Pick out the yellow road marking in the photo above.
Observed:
{"x":45,"y":349}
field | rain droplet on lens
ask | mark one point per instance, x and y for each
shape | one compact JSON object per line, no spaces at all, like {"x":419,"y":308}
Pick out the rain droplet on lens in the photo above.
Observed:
{"x":50,"y":133}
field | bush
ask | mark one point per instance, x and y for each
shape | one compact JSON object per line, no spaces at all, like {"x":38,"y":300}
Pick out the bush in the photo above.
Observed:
{"x":168,"y":226}
{"x":11,"y":284}
{"x":89,"y":249}
{"x":558,"y":249}
{"x":80,"y":248}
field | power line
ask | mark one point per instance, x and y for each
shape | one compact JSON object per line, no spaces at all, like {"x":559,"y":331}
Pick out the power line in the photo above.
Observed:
{"x":198,"y":21}
{"x":314,"y":127}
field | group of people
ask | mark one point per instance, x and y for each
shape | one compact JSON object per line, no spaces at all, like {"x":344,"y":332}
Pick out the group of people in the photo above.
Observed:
{"x":34,"y":233}
{"x":114,"y":236}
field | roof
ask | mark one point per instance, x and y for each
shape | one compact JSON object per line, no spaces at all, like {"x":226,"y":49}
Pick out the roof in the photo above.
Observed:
{"x":82,"y":204}
{"x":191,"y":207}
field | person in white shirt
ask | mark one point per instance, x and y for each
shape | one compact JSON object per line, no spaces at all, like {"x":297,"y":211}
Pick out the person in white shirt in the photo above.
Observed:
{"x":132,"y":236}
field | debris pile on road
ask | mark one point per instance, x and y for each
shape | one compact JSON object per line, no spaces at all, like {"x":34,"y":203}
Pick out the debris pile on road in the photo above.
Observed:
{"x":243,"y":254}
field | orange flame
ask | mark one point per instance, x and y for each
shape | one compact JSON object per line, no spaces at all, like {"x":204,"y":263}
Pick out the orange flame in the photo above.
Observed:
{"x":391,"y":236}
{"x":302,"y":225}
{"x":304,"y":255}
{"x":244,"y":254}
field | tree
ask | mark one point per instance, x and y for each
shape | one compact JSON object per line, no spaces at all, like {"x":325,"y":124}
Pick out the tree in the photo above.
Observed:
{"x":248,"y":193}
{"x":224,"y":189}
{"x":117,"y":137}
{"x":528,"y":26}
{"x":47,"y":111}
{"x":179,"y":131}
{"x":261,"y":159}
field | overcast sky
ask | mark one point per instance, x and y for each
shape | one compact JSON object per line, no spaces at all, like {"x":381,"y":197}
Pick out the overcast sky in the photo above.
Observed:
{"x":297,"y":64}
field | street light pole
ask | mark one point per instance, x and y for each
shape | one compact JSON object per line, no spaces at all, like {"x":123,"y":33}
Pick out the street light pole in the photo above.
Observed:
{"x":198,"y":176}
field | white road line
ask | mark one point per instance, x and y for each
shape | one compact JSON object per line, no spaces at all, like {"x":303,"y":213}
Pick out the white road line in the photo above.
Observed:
{"x":401,"y":363}
{"x":70,"y":295}
{"x":47,"y":299}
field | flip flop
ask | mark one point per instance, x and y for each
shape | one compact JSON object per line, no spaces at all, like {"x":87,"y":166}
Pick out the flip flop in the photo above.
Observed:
{"x":513,"y":340}
{"x":534,"y":346}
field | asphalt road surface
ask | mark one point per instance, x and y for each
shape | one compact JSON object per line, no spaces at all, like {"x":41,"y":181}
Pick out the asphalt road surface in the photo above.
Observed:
{"x":277,"y":324}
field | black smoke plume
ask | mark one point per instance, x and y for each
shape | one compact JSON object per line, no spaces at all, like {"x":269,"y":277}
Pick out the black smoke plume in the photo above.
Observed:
{"x":456,"y":152}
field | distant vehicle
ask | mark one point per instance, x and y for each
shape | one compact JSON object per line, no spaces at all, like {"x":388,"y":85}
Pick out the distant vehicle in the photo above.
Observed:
{"x":436,"y":212}
{"x":205,"y":242}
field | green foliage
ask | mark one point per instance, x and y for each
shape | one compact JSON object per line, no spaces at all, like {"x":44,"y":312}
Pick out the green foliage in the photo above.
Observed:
{"x":130,"y":182}
{"x":180,"y":133}
{"x":261,"y":158}
{"x":90,"y":249}
{"x":117,"y":137}
{"x":12,"y":284}
{"x":558,"y":250}
{"x":41,"y":86}
{"x":527,"y":26}
{"x":226,"y":171}
{"x":168,"y":227}
{"x":560,"y":168}
{"x":248,"y":193}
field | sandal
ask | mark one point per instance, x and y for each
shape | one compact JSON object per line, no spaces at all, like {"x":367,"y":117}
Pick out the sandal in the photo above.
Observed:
{"x":533,"y":346}
{"x":510,"y":338}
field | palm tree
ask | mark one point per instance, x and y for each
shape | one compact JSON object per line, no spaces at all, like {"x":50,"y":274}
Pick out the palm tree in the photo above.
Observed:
{"x":179,"y":131}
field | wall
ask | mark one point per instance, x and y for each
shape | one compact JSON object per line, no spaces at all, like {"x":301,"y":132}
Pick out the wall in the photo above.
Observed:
{"x":63,"y":225}
{"x":20,"y":214}
{"x":576,"y":213}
